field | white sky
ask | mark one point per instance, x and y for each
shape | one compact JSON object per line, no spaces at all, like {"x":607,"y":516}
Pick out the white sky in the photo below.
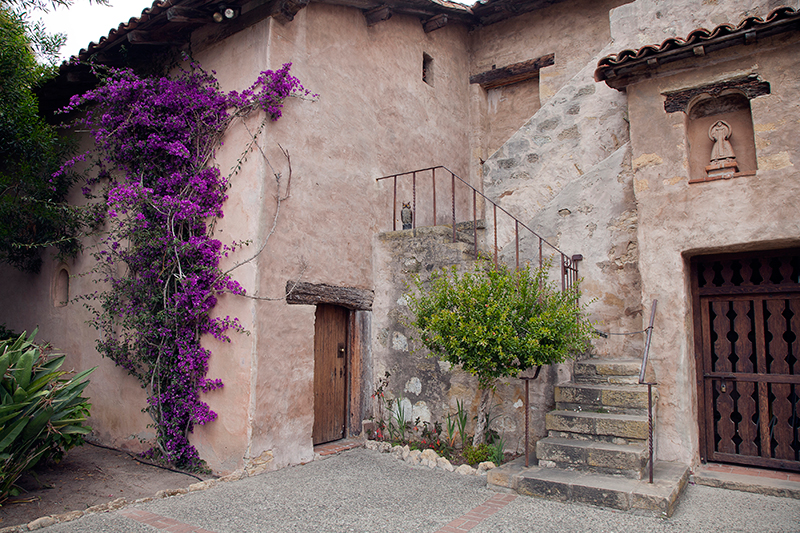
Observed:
{"x":84,"y":22}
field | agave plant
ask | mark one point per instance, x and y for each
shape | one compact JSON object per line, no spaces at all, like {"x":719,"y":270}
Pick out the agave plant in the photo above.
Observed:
{"x":41,"y":409}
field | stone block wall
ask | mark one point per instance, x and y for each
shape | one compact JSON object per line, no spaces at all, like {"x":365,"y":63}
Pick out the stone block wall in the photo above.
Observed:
{"x":429,"y":388}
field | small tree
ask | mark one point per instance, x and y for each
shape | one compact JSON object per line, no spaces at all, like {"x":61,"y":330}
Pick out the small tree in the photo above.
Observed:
{"x":497,"y":322}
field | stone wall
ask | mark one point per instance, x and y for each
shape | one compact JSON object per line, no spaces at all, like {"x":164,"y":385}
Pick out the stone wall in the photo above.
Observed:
{"x":429,"y":388}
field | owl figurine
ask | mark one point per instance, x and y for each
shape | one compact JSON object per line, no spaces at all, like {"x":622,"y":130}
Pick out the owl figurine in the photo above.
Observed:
{"x":406,"y":215}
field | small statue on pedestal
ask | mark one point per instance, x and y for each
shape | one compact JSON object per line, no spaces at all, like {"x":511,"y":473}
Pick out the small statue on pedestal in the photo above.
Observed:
{"x":406,"y":215}
{"x":723,"y":160}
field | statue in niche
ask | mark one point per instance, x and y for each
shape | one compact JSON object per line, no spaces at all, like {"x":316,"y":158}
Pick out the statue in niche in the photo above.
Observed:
{"x":723,"y":161}
{"x":720,"y":132}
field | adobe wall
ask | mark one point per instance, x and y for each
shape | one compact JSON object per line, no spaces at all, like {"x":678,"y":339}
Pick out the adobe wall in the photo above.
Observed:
{"x":678,"y":220}
{"x":573,"y":34}
{"x":374,"y":116}
{"x":30,"y":301}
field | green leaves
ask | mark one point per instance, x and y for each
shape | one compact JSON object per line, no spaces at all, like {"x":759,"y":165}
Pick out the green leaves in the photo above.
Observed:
{"x":41,"y":410}
{"x":496,"y":322}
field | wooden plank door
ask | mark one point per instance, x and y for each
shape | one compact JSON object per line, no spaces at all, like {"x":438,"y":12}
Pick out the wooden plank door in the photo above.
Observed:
{"x":330,"y":373}
{"x":749,"y":321}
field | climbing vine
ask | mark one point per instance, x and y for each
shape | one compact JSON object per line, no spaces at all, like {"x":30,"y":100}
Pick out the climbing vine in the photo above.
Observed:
{"x":159,"y":193}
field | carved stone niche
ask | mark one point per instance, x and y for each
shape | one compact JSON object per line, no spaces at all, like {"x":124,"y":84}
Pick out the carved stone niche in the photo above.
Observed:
{"x":720,"y":137}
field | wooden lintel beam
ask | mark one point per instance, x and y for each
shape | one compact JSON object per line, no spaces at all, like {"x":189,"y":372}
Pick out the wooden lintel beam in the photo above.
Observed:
{"x":301,"y":292}
{"x":434,"y":23}
{"x":379,"y":14}
{"x":498,"y":77}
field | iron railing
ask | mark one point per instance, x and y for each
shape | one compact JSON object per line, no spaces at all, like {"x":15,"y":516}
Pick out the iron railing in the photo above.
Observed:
{"x":459,"y":201}
{"x":643,"y":381}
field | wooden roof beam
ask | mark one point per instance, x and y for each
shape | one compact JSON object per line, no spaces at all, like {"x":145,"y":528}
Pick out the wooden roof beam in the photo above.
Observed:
{"x":434,"y":23}
{"x":498,"y":77}
{"x":378,"y":14}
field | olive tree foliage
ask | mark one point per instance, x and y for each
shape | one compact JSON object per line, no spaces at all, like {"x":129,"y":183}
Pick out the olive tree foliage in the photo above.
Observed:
{"x":33,"y":211}
{"x":497,"y":322}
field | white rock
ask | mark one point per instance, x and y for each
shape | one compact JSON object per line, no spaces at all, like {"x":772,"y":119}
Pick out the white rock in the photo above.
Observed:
{"x":371,"y":445}
{"x":444,"y":464}
{"x":397,"y":451}
{"x":39,"y":523}
{"x":406,"y":451}
{"x":414,"y":457}
{"x":430,"y":454}
{"x":485,"y":467}
{"x":385,"y":447}
{"x":399,"y":342}
{"x":414,"y":386}
{"x":465,"y":470}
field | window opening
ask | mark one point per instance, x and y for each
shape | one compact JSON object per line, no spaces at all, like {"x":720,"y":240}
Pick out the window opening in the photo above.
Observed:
{"x":61,"y":289}
{"x":427,"y":69}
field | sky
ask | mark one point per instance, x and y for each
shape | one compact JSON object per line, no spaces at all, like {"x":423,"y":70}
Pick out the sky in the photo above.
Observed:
{"x":84,"y":22}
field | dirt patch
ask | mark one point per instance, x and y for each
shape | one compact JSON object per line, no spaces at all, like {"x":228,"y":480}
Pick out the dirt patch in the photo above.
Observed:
{"x":87,"y":476}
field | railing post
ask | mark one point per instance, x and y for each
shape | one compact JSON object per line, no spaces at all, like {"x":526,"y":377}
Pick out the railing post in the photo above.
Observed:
{"x":453,"y":178}
{"x":475,"y":220}
{"x":495,"y":235}
{"x":433,"y":180}
{"x":394,"y":206}
{"x":414,"y":202}
{"x":540,"y":253}
{"x":516,"y":238}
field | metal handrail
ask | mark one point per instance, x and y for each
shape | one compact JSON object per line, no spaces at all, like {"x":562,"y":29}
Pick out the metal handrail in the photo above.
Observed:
{"x":645,"y":356}
{"x":569,"y":267}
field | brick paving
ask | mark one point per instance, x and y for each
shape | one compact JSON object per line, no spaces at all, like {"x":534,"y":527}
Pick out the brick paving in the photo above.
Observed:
{"x":335,"y":447}
{"x":478,"y":514}
{"x":748,"y":471}
{"x":161,"y":522}
{"x":461,"y":524}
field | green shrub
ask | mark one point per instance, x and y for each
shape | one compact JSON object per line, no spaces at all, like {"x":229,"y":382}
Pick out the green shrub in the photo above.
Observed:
{"x":478,"y":454}
{"x":41,"y":409}
{"x":496,"y":322}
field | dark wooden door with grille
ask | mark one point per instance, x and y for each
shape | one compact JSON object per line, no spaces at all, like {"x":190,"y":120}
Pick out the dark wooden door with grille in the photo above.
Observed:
{"x":330,"y":373}
{"x":747,"y":313}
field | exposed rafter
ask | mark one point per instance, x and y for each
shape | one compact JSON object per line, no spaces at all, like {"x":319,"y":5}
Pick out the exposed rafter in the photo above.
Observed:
{"x":378,"y":14}
{"x":498,"y":77}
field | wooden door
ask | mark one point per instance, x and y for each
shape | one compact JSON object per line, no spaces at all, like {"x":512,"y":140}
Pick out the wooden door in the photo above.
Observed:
{"x":330,"y":373}
{"x":747,"y":312}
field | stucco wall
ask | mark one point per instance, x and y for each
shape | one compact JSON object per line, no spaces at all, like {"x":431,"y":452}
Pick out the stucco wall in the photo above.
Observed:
{"x":374,"y":116}
{"x":678,"y":220}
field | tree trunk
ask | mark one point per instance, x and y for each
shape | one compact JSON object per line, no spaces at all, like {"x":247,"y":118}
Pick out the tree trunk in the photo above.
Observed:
{"x":480,"y":425}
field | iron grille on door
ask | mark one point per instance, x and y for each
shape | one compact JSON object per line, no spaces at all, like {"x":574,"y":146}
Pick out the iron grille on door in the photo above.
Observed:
{"x":747,"y":318}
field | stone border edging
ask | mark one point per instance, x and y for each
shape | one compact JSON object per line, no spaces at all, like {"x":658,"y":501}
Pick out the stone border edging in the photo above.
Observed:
{"x":427,"y":458}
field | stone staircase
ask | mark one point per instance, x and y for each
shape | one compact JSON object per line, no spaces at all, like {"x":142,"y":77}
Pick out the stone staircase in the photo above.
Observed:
{"x":600,"y":423}
{"x":596,"y":451}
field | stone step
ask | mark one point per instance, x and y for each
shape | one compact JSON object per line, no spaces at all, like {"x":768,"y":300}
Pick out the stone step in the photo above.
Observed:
{"x":587,"y":423}
{"x":592,"y":456}
{"x":658,"y":498}
{"x":599,"y":396}
{"x":613,"y":371}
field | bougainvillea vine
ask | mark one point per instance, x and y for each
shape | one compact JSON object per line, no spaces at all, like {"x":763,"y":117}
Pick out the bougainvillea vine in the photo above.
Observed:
{"x":153,"y":161}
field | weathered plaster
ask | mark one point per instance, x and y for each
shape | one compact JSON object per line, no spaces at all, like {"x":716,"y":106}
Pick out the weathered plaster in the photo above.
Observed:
{"x":679,"y":220}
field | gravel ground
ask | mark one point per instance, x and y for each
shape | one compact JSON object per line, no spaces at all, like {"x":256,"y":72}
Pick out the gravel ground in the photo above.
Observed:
{"x":364,"y":491}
